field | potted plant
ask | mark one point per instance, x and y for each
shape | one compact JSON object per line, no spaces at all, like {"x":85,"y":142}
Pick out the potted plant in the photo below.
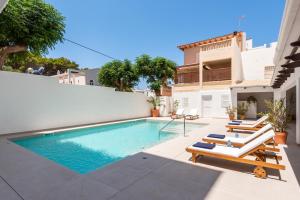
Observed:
{"x":175,"y":106}
{"x":251,"y":99}
{"x":242,"y":109}
{"x":155,"y":103}
{"x":278,"y":117}
{"x":231,"y":112}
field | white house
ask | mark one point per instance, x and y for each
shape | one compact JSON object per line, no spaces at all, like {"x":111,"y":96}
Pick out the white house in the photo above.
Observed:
{"x":286,"y":78}
{"x":218,"y":72}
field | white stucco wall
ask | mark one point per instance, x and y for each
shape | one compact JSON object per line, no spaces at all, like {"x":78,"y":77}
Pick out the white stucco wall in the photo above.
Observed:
{"x":254,"y":62}
{"x":195,"y":101}
{"x":30,"y":102}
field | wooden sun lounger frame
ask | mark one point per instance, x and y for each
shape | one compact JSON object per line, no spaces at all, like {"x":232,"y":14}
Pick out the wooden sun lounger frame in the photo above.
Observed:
{"x":192,"y":117}
{"x":177,"y":116}
{"x":259,"y":163}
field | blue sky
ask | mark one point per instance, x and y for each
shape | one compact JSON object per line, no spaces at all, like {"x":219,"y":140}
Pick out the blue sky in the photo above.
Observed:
{"x":129,"y":28}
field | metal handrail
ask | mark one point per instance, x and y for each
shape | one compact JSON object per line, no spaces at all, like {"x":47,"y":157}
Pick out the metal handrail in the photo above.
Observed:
{"x":167,"y":124}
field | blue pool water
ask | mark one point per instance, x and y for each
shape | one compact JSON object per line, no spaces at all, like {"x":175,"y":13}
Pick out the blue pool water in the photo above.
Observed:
{"x":87,"y":149}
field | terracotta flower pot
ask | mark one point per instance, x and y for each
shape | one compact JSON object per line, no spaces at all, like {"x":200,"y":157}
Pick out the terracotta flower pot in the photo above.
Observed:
{"x":280,"y":137}
{"x":231,"y":117}
{"x":155,"y":113}
{"x":242,"y":117}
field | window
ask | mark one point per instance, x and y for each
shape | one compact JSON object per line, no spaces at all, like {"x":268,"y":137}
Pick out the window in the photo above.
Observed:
{"x":268,"y":72}
{"x":225,"y":101}
{"x":91,"y":82}
{"x":206,"y":97}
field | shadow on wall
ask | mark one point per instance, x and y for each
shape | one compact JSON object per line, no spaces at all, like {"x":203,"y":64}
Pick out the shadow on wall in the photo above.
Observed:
{"x":292,"y":151}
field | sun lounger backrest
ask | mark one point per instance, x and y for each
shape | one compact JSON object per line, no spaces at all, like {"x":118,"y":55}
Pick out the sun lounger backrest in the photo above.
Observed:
{"x":261,"y":120}
{"x":258,"y":133}
{"x":193,"y":112}
{"x":180,"y":111}
{"x":256,"y":142}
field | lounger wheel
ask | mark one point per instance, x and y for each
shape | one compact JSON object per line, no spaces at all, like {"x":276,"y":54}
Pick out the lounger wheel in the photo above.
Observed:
{"x":260,"y":172}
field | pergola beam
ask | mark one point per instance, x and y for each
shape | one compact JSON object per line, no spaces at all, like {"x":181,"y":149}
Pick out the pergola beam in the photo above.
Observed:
{"x":294,"y":57}
{"x":292,"y":64}
{"x":295,"y":44}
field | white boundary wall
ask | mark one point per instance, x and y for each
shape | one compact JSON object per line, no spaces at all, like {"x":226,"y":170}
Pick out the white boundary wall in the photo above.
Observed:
{"x":31,"y":102}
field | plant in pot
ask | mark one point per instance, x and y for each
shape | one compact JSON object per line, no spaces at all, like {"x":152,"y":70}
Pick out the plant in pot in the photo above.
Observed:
{"x":155,"y":103}
{"x":230,"y":111}
{"x":278,"y":117}
{"x":251,"y":99}
{"x":242,"y":109}
{"x":175,"y":106}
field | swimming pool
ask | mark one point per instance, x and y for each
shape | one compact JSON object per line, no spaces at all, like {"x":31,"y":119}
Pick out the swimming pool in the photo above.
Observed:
{"x":84,"y":150}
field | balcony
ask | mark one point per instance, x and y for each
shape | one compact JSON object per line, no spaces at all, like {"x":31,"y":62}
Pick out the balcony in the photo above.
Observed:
{"x":220,"y":74}
{"x":187,"y":74}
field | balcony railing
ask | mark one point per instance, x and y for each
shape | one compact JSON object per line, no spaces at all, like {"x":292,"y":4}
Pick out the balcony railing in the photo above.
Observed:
{"x":190,"y":77}
{"x":220,"y":74}
{"x":216,"y":45}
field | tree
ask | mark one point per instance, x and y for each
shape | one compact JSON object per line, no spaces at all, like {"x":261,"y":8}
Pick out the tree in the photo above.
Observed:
{"x":118,"y":74}
{"x":157,"y":71}
{"x":22,"y":61}
{"x":29,"y":25}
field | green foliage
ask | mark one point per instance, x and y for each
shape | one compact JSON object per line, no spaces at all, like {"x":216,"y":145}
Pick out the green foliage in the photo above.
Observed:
{"x":24,"y":60}
{"x":175,"y":105}
{"x":251,"y":99}
{"x":230,"y":110}
{"x":242,"y":108}
{"x":118,"y":74}
{"x":278,"y":114}
{"x":32,"y":23}
{"x":155,"y":102}
{"x":156,"y":71}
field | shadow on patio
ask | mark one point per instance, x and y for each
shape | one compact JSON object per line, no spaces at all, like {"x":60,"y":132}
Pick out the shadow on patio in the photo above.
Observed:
{"x":146,"y":176}
{"x":292,"y":151}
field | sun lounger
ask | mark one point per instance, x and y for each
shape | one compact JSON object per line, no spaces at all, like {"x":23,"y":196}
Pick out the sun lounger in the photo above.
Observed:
{"x":244,"y":154}
{"x":179,"y":114}
{"x":237,"y":141}
{"x":193,"y":114}
{"x":251,"y":127}
{"x":246,"y":122}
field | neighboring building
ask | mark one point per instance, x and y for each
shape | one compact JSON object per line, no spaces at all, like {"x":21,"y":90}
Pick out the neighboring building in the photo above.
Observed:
{"x":79,"y":77}
{"x":146,"y":92}
{"x":221,"y":71}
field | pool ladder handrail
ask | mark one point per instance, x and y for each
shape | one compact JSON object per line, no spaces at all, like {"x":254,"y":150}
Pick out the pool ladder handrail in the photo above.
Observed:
{"x":167,"y":124}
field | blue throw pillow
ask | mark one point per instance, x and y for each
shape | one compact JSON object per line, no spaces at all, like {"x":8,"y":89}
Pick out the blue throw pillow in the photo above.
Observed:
{"x":204,"y":145}
{"x":216,"y":136}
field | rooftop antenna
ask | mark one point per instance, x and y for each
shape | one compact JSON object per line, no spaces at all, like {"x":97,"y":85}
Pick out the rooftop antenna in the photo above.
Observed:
{"x":239,"y":22}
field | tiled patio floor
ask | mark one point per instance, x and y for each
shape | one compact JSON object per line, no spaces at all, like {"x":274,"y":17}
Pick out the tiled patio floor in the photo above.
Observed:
{"x":161,"y":172}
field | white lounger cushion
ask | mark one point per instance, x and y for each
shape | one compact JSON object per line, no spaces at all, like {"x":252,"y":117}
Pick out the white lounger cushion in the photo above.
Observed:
{"x":180,"y":111}
{"x":245,"y":139}
{"x":259,"y":121}
{"x":237,"y":152}
{"x":193,"y":112}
